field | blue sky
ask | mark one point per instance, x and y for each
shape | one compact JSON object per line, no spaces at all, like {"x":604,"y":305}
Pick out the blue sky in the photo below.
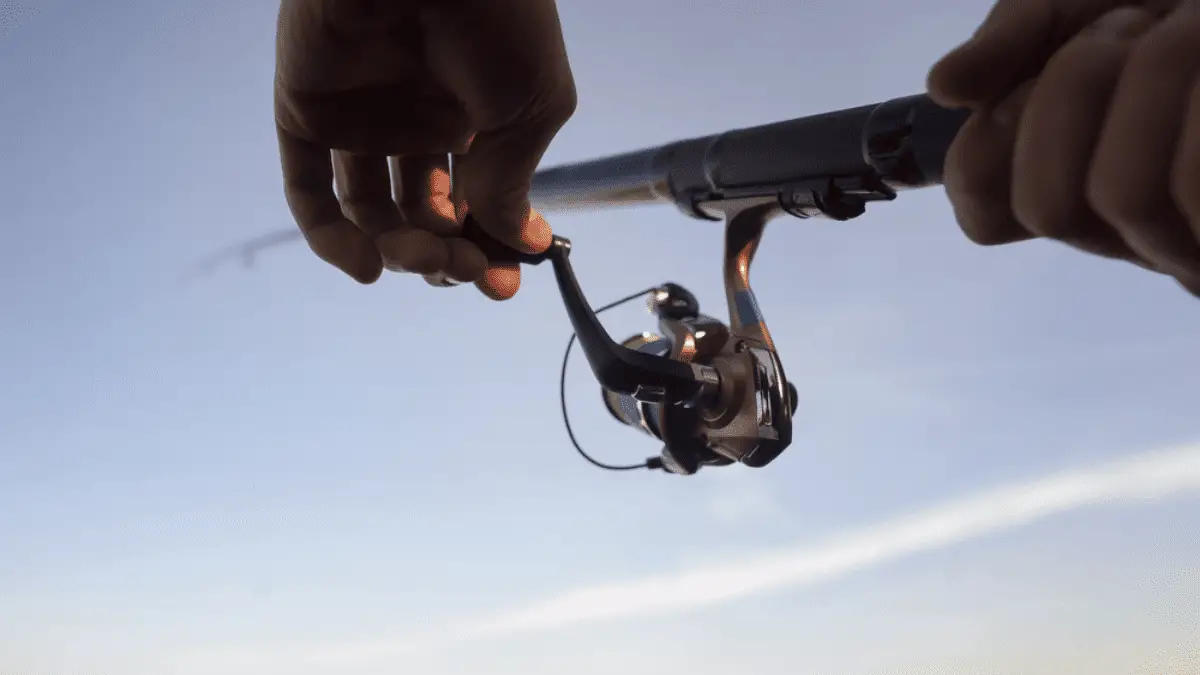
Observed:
{"x":275,"y":470}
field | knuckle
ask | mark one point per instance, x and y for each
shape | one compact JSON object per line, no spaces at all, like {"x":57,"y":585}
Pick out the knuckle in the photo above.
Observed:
{"x":304,"y":183}
{"x":1171,"y":44}
{"x":355,"y":206}
{"x":1044,"y":213}
{"x":500,"y":205}
{"x":1122,"y":21}
{"x":977,"y":181}
{"x":981,"y":236}
{"x":358,"y":211}
{"x":980,"y":230}
{"x":311,"y":211}
{"x":370,"y":216}
{"x":565,"y":102}
{"x":1117,"y":202}
{"x":436,"y":219}
{"x":1084,"y":70}
{"x":546,"y":110}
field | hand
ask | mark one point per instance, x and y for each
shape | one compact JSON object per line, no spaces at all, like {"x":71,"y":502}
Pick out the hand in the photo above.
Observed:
{"x":1086,"y":129}
{"x":391,"y":87}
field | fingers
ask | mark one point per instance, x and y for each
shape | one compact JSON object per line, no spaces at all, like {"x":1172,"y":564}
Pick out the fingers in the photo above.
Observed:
{"x":999,"y":55}
{"x":1061,"y":123}
{"x":1105,"y":140}
{"x":505,"y":59}
{"x":1185,"y":172}
{"x":366,"y":192}
{"x":1130,"y":183}
{"x":979,"y":173}
{"x":308,"y":187}
{"x":422,"y":187}
{"x":500,"y":280}
{"x":360,"y":229}
{"x":1013,"y":44}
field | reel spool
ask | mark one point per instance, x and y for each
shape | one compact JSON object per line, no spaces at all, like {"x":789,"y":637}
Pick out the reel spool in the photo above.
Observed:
{"x":693,"y":338}
{"x":714,"y":394}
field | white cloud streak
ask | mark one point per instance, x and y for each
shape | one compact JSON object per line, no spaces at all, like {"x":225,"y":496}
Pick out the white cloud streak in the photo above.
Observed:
{"x":1148,"y":477}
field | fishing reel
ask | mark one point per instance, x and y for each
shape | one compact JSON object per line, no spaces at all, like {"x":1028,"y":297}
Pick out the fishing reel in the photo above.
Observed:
{"x":713,"y":394}
{"x":738,"y":422}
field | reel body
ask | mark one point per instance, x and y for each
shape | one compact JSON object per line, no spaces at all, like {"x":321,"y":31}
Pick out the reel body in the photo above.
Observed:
{"x":709,"y":432}
{"x":714,"y":394}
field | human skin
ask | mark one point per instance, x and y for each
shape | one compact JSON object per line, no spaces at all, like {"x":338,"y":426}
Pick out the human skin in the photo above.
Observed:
{"x":1085,"y":129}
{"x":400,"y":84}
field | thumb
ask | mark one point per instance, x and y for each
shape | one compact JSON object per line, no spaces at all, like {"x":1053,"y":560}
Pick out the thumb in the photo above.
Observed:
{"x":1011,"y":46}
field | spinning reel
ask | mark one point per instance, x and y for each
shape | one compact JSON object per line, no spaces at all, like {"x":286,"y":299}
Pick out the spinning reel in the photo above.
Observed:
{"x":716,"y":394}
{"x":713,"y":394}
{"x":748,"y":417}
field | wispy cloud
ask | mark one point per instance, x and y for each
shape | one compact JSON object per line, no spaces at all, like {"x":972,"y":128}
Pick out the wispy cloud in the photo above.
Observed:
{"x":1152,"y":476}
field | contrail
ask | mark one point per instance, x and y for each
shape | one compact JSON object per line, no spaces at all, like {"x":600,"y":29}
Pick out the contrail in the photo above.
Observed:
{"x":1147,"y":477}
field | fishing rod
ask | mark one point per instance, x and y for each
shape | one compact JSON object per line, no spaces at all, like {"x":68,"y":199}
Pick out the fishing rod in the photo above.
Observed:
{"x":716,"y":394}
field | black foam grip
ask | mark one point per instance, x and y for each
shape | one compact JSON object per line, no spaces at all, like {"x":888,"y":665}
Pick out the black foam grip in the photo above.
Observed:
{"x":820,"y":145}
{"x":827,"y":145}
{"x":934,"y":129}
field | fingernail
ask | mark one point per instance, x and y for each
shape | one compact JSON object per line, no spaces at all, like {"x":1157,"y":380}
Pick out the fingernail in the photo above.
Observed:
{"x":538,"y":234}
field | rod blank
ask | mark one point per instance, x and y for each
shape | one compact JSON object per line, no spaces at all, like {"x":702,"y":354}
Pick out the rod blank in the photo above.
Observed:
{"x":902,"y":142}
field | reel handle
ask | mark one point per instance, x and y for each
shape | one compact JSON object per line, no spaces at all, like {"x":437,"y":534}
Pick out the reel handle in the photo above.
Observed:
{"x":644,"y":376}
{"x":498,"y":251}
{"x":753,"y":426}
